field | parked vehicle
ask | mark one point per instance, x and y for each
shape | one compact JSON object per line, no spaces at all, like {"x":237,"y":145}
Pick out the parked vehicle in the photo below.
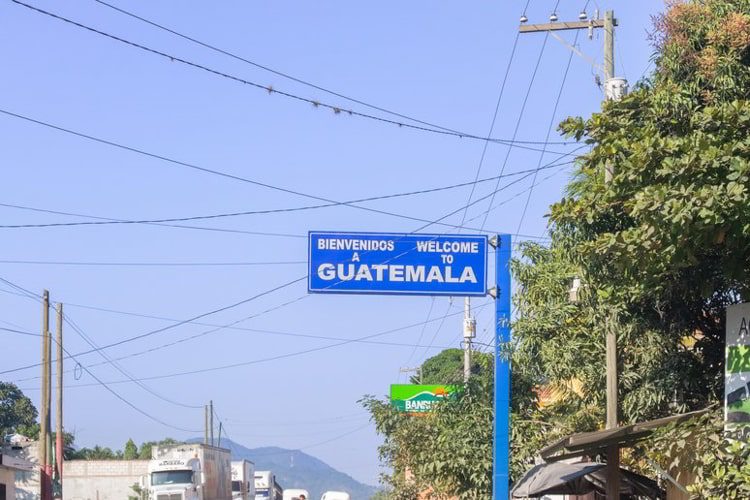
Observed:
{"x":295,"y":494}
{"x":243,"y":480}
{"x":189,"y":472}
{"x":336,"y":495}
{"x":266,"y":486}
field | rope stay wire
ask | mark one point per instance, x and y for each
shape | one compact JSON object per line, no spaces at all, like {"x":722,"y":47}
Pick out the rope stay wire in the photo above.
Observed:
{"x":267,"y":88}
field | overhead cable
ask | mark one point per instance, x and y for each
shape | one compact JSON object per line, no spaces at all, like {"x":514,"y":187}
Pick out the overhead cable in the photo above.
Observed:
{"x":299,"y":80}
{"x":549,"y":131}
{"x":279,"y":356}
{"x":168,"y":327}
{"x":520,"y":117}
{"x":267,"y":88}
{"x":232,"y":176}
{"x":283,"y":210}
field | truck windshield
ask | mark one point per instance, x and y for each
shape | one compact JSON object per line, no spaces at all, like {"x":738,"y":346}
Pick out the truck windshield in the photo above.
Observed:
{"x":172,"y":477}
{"x":261,"y":493}
{"x":236,"y":485}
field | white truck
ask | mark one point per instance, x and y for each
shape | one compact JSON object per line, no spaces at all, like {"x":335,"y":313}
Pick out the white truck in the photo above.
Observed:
{"x":243,"y":479}
{"x":266,"y":487}
{"x":336,"y":495}
{"x":295,"y":494}
{"x":189,"y":472}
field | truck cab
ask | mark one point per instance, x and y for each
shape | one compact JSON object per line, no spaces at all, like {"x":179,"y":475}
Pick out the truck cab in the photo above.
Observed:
{"x":186,"y":471}
{"x":295,"y":494}
{"x":243,"y":480}
{"x":175,"y":479}
{"x":266,"y":487}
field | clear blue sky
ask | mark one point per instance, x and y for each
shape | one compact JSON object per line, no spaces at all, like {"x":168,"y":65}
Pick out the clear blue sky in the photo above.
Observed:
{"x":439,"y":61}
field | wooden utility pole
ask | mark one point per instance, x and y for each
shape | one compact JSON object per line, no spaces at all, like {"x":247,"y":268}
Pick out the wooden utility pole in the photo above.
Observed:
{"x":211,"y":419}
{"x":44,"y":416}
{"x":59,"y":441}
{"x":205,"y":424}
{"x":614,"y":88}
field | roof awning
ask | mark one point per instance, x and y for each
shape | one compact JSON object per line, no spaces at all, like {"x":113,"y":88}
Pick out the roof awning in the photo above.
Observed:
{"x":560,"y":478}
{"x":595,"y":443}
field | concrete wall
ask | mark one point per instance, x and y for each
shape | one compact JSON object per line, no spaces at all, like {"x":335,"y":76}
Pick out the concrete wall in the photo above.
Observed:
{"x":26,"y":482}
{"x":8,"y":479}
{"x":101,"y":479}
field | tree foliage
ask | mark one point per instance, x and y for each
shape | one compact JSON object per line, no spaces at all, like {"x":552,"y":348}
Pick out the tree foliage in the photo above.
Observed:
{"x":130,"y":452}
{"x":663,"y":248}
{"x":699,"y":446}
{"x":447,"y":452}
{"x":17,"y":412}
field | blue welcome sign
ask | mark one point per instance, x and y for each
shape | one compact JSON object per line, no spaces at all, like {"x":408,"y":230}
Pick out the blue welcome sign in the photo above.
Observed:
{"x":397,"y":263}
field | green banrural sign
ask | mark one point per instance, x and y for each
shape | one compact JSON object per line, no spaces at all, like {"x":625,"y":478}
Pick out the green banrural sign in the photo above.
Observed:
{"x":410,"y":398}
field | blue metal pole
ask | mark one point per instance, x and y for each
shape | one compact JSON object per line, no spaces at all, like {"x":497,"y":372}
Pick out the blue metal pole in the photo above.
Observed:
{"x":501,"y":445}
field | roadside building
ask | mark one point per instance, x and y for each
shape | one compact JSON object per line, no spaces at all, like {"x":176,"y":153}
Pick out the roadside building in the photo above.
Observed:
{"x":19,"y":474}
{"x":102,"y":479}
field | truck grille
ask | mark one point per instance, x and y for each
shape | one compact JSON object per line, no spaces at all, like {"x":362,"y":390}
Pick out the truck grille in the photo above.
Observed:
{"x":171,"y":496}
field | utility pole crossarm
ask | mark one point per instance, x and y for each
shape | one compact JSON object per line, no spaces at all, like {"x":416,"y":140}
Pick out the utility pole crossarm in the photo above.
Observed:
{"x":561,"y":26}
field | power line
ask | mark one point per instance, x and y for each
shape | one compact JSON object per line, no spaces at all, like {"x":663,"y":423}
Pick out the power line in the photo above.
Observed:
{"x":236,"y":328}
{"x":179,"y":226}
{"x":267,"y":88}
{"x":106,"y":386}
{"x":222,"y":309}
{"x":279,"y":356}
{"x":168,"y":327}
{"x":119,"y":368}
{"x":301,"y":81}
{"x":257,"y":296}
{"x":549,"y":131}
{"x":520,"y":117}
{"x":20,"y":332}
{"x":494,"y":119}
{"x":228,"y":175}
{"x":109,"y":221}
{"x":69,"y":321}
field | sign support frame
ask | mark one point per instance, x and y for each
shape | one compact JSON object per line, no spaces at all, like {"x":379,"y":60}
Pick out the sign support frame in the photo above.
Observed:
{"x":501,"y":435}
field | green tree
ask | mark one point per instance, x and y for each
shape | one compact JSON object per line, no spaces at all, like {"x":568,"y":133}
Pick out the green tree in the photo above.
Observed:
{"x":449,"y":450}
{"x":17,"y":412}
{"x":98,"y":453}
{"x":447,"y":367}
{"x":130,"y":452}
{"x":144,"y":452}
{"x":661,"y":250}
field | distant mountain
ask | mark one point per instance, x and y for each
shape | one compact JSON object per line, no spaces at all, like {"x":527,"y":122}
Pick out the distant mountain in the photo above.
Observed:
{"x":297,"y":469}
